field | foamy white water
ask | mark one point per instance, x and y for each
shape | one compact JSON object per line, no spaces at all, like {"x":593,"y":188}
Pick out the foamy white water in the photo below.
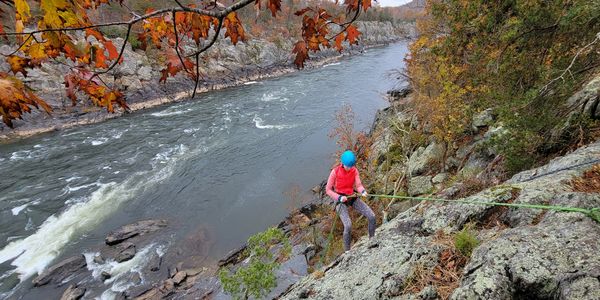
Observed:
{"x":34,"y":253}
{"x":167,"y":113}
{"x":16,"y":210}
{"x":259,"y":123}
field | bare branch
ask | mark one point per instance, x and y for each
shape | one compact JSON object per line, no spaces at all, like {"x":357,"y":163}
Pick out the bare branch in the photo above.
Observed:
{"x":347,"y":24}
{"x":177,"y":43}
{"x":20,"y":46}
{"x":545,"y":88}
{"x":197,"y":54}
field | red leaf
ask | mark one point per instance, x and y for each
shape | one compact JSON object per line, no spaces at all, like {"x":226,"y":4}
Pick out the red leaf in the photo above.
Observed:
{"x":338,"y":42}
{"x":274,"y":6}
{"x":352,"y":34}
{"x":301,"y":54}
{"x":112,"y":50}
{"x":94,"y":33}
{"x":303,"y":11}
{"x":366,"y":4}
{"x":99,"y":58}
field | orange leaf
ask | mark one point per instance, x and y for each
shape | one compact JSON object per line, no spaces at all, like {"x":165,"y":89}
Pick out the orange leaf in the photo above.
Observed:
{"x":94,"y":33}
{"x":235,"y":30}
{"x":16,"y":99}
{"x":18,"y":64}
{"x":303,"y":11}
{"x":274,"y":6}
{"x":301,"y":54}
{"x":99,"y":57}
{"x":112,"y":50}
{"x":338,"y":41}
{"x":71,"y":51}
{"x":352,"y":34}
{"x":366,"y":4}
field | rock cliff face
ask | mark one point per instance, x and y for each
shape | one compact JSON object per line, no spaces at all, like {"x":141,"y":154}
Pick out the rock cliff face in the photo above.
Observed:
{"x":523,"y":253}
{"x":225,"y":65}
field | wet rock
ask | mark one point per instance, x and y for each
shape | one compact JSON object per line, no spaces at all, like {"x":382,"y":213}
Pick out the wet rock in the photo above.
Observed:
{"x":288,"y":273}
{"x":126,"y":253}
{"x":58,"y":272}
{"x":105,"y":275}
{"x":135,"y":229}
{"x":152,"y":294}
{"x":167,"y":287}
{"x":232,"y":257}
{"x":194,"y":271}
{"x":98,"y":259}
{"x":73,"y":292}
{"x":155,"y":262}
{"x":420,"y":185}
{"x":400,"y":93}
{"x":179,"y":277}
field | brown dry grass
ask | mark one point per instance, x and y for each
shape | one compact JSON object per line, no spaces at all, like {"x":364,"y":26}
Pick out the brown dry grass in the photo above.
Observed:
{"x":589,"y":182}
{"x":445,"y":276}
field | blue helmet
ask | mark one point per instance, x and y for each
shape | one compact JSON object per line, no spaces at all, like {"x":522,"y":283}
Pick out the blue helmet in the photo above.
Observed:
{"x":348,"y":159}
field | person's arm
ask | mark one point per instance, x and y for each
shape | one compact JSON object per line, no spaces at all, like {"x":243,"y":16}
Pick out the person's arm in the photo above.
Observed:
{"x":358,"y":184}
{"x":329,"y":188}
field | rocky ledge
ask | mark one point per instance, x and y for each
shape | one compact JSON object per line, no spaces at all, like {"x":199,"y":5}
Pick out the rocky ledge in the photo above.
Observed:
{"x":522,"y":254}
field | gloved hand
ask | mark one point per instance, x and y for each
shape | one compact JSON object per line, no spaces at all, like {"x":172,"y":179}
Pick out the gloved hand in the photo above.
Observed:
{"x":364,"y":194}
{"x":343,"y":199}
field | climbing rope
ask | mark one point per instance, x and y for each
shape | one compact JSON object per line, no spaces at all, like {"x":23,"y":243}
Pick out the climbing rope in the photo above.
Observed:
{"x":593,"y":213}
{"x":328,"y":240}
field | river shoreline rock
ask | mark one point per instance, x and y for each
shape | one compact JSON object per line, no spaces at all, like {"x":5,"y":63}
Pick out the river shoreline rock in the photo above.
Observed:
{"x":131,"y":230}
{"x":60,"y":271}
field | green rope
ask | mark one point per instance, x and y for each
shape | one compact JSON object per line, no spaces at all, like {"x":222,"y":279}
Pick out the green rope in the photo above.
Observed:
{"x":328,"y":240}
{"x":593,"y":213}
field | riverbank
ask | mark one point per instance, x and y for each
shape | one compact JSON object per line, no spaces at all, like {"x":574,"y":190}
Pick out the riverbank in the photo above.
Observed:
{"x":210,"y":168}
{"x":137,"y":79}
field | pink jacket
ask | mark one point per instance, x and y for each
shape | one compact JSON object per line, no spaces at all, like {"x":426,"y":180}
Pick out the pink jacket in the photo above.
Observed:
{"x":340,"y":181}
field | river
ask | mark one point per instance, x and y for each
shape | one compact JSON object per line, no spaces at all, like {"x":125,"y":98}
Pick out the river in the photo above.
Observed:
{"x":222,"y":163}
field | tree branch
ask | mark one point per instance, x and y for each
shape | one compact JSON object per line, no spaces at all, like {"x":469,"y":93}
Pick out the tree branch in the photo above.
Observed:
{"x":197,"y":54}
{"x":545,"y":88}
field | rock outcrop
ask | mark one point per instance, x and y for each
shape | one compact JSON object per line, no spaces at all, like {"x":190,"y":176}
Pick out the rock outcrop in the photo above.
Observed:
{"x":523,"y":254}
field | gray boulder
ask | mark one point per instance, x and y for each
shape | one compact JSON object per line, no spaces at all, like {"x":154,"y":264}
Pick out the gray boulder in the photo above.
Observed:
{"x":127,"y":252}
{"x":425,"y":159}
{"x":483,"y":119}
{"x":419,"y":185}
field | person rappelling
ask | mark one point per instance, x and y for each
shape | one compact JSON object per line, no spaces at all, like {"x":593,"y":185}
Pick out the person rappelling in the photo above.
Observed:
{"x":342,"y":184}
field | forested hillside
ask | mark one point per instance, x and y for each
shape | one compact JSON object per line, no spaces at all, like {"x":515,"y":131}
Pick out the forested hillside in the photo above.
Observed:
{"x":523,"y":59}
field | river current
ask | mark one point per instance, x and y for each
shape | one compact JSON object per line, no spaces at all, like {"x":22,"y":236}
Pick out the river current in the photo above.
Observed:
{"x":223,"y":163}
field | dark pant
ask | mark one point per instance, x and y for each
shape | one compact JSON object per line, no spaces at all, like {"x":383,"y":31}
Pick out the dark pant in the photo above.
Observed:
{"x":363,"y":209}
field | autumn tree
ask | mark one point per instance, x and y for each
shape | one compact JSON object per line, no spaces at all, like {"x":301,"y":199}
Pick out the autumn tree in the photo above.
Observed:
{"x":521,"y":58}
{"x":63,"y":31}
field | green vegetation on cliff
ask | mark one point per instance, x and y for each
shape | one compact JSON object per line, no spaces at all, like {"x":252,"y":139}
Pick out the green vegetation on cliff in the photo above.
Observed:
{"x":524,"y":59}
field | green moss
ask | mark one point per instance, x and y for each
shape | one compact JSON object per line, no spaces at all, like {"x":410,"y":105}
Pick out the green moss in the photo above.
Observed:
{"x":465,"y":241}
